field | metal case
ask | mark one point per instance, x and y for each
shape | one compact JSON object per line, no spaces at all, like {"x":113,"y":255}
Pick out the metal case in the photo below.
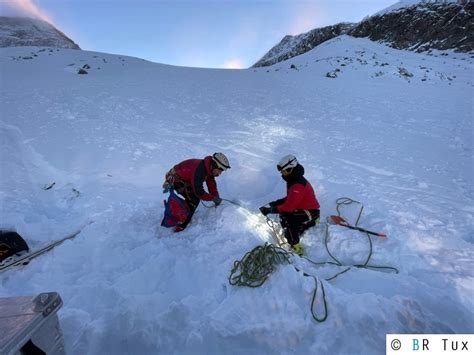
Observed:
{"x":27,"y":322}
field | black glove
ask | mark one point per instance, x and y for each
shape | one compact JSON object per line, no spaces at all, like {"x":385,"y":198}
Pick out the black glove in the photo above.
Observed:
{"x":217,"y":200}
{"x":166,"y":187}
{"x":266,"y":210}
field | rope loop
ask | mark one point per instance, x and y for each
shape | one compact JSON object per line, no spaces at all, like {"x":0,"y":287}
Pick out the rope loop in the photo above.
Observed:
{"x":313,"y":313}
{"x":344,"y":201}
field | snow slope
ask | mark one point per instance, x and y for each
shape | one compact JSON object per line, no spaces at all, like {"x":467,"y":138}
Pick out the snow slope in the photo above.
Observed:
{"x":401,"y":145}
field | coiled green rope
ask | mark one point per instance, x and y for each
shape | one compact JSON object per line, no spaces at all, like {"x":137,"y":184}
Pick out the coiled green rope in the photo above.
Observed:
{"x":257,"y":265}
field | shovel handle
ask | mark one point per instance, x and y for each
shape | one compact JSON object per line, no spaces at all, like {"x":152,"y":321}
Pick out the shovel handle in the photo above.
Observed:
{"x":367,"y":231}
{"x":342,"y":222}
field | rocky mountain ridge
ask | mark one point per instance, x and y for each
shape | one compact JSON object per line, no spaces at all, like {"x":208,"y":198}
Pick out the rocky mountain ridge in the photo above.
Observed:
{"x":421,"y":27}
{"x":291,"y":46}
{"x":24,"y":31}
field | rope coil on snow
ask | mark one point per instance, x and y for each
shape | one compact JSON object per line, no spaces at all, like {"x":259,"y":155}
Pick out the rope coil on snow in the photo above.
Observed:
{"x":257,"y":265}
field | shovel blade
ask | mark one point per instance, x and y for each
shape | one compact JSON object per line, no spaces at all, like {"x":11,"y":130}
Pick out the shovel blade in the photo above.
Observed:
{"x":337,"y":220}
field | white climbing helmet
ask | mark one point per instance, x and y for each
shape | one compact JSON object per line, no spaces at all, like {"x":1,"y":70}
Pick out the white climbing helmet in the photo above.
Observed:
{"x":287,"y":162}
{"x":221,"y":161}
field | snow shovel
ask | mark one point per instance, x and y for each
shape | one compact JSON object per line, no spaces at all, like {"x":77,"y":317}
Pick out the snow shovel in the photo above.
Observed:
{"x":342,"y":222}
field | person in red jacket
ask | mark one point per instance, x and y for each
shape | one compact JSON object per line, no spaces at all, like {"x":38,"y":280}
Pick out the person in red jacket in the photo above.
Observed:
{"x":299,"y":210}
{"x":188,"y":178}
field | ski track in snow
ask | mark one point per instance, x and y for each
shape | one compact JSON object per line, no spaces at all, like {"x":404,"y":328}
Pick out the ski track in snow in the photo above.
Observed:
{"x":401,"y":146}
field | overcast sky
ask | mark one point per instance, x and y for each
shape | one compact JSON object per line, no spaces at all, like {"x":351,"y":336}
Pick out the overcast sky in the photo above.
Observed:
{"x":197,"y":33}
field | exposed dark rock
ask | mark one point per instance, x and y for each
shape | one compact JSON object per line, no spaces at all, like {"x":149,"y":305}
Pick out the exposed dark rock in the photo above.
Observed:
{"x":82,"y":71}
{"x":291,"y":46}
{"x":23,"y":31}
{"x":422,"y":27}
{"x":404,"y":72}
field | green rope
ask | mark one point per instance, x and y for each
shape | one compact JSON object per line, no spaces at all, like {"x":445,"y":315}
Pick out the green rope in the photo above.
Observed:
{"x":336,"y":262}
{"x":271,"y":223}
{"x":320,"y":320}
{"x":339,"y":202}
{"x":313,"y":313}
{"x":376,"y":267}
{"x":257,"y":265}
{"x":343,"y":201}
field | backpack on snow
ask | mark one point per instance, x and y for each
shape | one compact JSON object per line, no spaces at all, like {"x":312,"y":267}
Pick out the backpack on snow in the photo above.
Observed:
{"x":11,"y":243}
{"x":176,"y":210}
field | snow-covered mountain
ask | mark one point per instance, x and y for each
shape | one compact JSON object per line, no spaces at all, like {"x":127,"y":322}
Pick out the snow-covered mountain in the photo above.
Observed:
{"x":401,"y":4}
{"x":291,"y":46}
{"x":408,"y":24}
{"x":422,"y":27}
{"x":24,"y":31}
{"x":392,"y":130}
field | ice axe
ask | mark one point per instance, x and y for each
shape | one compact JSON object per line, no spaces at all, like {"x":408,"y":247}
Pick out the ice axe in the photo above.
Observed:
{"x":342,"y":222}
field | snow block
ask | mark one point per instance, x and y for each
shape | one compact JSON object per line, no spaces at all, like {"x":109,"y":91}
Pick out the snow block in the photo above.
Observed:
{"x":31,"y":325}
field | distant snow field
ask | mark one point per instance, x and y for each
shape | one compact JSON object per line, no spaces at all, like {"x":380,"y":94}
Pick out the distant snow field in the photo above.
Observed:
{"x":391,"y":129}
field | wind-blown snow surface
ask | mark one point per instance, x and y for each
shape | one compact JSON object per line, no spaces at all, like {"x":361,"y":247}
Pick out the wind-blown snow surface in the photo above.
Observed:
{"x":400,"y":145}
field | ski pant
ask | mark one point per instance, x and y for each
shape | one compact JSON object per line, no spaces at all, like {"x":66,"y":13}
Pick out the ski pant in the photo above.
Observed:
{"x":191,"y":199}
{"x":296,"y":223}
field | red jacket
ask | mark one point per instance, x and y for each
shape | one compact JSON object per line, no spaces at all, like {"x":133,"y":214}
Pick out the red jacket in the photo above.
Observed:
{"x":300,"y":194}
{"x":195,"y":172}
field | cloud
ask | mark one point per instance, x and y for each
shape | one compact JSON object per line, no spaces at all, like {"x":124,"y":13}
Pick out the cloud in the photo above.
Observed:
{"x":27,"y":8}
{"x":235,"y":63}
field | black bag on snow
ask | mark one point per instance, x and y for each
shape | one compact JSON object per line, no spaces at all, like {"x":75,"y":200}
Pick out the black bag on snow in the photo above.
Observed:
{"x":11,"y":243}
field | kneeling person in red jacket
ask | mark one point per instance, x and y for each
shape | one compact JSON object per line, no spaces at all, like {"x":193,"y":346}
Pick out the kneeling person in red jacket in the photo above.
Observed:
{"x":188,"y":178}
{"x":299,"y":210}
